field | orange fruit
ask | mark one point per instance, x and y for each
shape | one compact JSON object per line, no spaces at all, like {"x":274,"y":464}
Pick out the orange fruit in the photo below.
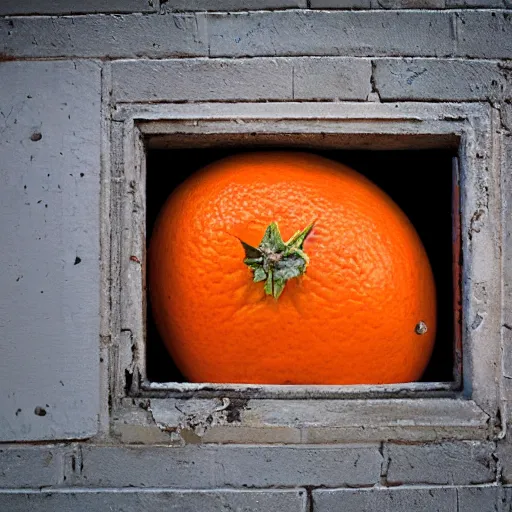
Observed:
{"x":360,"y":291}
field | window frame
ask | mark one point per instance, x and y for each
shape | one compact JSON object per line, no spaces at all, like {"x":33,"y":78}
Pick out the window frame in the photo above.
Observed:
{"x":252,"y":413}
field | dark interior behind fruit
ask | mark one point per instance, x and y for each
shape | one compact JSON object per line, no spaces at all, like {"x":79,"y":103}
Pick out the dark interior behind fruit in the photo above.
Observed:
{"x":420,"y":182}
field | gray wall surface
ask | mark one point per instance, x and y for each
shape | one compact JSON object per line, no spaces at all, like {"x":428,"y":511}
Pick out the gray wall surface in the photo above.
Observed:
{"x":49,"y":312}
{"x":75,"y":79}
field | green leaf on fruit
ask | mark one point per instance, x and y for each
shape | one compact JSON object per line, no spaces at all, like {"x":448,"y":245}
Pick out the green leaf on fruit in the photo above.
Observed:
{"x":275,"y":261}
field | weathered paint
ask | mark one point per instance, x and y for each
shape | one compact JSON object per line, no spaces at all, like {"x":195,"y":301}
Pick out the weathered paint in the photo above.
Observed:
{"x":434,"y":445}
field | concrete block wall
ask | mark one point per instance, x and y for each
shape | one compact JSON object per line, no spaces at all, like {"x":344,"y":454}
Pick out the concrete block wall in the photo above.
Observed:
{"x":66,"y":67}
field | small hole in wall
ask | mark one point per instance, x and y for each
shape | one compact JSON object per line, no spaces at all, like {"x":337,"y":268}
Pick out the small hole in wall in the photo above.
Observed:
{"x":419,"y":181}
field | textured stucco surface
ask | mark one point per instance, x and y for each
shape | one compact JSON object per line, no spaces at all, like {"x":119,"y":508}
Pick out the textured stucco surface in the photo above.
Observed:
{"x":75,"y":79}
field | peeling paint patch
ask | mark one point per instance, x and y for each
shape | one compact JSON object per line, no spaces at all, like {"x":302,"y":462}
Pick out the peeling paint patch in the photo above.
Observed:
{"x":191,"y":419}
{"x":477,"y":322}
{"x":477,"y":221}
{"x":235,"y":408}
